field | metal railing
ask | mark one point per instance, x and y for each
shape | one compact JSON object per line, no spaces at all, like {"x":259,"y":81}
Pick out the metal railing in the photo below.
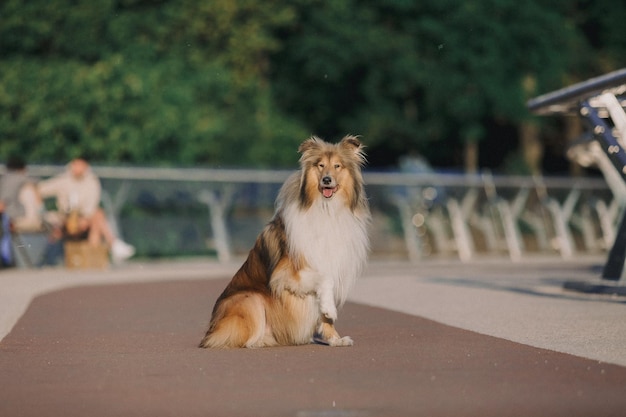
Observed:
{"x":172,"y":211}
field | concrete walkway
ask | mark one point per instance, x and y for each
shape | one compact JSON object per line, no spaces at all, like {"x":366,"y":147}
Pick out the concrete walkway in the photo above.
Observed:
{"x":123,"y":342}
{"x":521,"y":302}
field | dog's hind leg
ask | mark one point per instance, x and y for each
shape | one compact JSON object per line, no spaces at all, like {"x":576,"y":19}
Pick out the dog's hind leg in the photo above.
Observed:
{"x":239,"y":321}
{"x":326,"y":334}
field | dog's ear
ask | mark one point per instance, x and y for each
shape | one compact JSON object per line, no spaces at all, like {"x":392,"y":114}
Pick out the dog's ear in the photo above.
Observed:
{"x":353,"y":144}
{"x":311,"y":143}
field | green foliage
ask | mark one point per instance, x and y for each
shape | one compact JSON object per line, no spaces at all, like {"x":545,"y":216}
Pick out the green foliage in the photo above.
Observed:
{"x":233,"y":83}
{"x":410,"y":74}
{"x":142,"y":82}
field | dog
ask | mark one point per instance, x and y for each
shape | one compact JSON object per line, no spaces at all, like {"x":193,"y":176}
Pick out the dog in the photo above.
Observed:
{"x":306,"y":259}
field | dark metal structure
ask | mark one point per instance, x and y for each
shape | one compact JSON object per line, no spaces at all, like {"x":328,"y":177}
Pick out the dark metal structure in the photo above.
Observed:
{"x":600,"y":102}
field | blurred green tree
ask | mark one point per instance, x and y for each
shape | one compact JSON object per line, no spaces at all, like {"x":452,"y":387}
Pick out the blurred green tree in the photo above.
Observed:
{"x":413,"y":75}
{"x":232,"y":83}
{"x":140,"y":81}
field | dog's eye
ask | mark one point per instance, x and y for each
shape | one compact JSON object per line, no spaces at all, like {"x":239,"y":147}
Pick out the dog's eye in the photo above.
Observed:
{"x":337,"y":166}
{"x":321,"y":165}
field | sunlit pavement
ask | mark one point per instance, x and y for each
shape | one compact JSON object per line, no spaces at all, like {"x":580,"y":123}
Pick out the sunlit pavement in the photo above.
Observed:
{"x":523,"y":302}
{"x":436,"y":338}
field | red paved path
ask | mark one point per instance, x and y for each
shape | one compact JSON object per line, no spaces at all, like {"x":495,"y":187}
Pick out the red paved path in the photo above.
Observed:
{"x":130,"y":350}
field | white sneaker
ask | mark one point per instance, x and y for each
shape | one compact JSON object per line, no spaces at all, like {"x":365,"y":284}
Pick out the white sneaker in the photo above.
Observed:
{"x":120,"y":251}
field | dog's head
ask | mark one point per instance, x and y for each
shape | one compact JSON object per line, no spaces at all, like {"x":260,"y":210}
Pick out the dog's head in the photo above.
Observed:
{"x":331,"y":170}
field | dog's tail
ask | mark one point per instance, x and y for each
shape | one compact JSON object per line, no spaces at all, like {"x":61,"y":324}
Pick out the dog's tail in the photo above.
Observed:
{"x":239,"y":321}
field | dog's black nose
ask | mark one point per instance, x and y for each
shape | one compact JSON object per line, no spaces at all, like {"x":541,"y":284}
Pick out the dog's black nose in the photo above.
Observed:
{"x":327,"y":180}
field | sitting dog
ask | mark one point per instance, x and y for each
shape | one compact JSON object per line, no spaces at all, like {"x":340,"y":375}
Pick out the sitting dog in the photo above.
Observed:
{"x":305,"y":260}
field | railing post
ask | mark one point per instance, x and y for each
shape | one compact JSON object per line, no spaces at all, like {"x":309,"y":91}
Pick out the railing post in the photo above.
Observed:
{"x":411,"y":238}
{"x":459,"y":215}
{"x":217,"y":206}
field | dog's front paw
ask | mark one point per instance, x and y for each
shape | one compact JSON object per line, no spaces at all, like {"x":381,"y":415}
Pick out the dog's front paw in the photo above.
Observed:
{"x":328,"y":309}
{"x":341,"y":341}
{"x":329,"y":312}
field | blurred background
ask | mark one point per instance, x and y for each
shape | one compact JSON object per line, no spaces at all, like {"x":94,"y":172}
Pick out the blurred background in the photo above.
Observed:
{"x":436,"y":88}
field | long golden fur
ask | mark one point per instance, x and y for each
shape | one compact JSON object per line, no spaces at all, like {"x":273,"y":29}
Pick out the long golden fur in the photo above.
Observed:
{"x":305,"y":260}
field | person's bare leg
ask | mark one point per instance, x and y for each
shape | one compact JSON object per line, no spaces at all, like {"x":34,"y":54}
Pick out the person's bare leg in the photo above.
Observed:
{"x":100,"y":229}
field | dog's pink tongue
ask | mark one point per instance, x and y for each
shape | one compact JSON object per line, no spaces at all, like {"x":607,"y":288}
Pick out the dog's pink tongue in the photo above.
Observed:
{"x":328,"y":192}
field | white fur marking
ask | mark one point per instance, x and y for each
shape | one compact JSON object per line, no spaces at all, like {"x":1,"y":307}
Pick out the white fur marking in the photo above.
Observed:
{"x":334,"y":244}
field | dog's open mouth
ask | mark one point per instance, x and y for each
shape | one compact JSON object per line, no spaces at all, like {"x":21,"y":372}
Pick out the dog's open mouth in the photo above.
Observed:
{"x":328,"y":192}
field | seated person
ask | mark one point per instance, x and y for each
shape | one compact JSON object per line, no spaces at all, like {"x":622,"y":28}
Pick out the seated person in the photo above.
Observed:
{"x":77,"y":192}
{"x":19,"y":199}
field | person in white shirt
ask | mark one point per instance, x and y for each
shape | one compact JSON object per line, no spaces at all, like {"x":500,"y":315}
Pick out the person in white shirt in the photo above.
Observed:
{"x":77,"y":192}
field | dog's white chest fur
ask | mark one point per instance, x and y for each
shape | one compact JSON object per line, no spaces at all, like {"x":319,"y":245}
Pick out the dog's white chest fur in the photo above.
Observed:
{"x":332,"y":240}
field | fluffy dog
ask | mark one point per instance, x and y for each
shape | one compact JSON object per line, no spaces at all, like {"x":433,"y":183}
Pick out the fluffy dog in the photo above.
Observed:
{"x":305,"y":260}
